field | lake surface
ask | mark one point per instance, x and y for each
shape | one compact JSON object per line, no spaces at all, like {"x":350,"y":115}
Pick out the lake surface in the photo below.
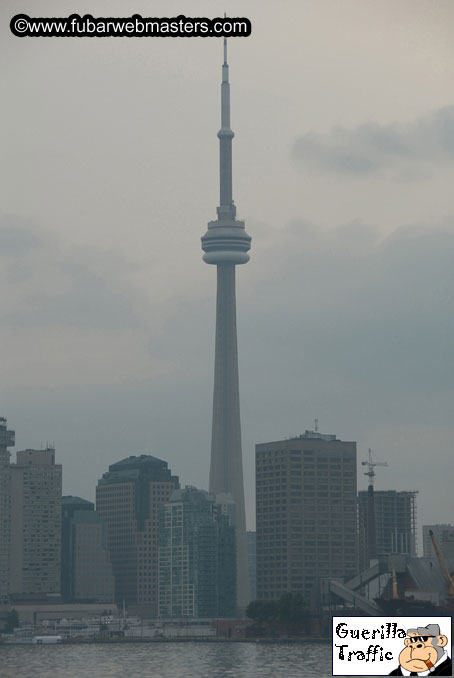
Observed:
{"x":166,"y":660}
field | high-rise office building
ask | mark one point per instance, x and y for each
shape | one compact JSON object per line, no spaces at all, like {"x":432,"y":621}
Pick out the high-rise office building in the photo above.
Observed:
{"x":444,"y":534}
{"x":35,"y":555}
{"x":252,"y":562}
{"x":395,"y":523}
{"x":226,"y":245}
{"x":197,"y":557}
{"x":69,"y":506}
{"x":6,"y":440}
{"x":86,"y":570}
{"x":128,"y":497}
{"x":306,"y":513}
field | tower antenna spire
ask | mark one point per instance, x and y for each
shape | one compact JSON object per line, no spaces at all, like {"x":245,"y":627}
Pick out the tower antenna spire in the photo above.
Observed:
{"x":225,"y":135}
{"x":225,"y":44}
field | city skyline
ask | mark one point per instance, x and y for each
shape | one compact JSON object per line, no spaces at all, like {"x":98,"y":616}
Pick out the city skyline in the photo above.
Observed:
{"x":308,"y":513}
{"x":108,"y":344}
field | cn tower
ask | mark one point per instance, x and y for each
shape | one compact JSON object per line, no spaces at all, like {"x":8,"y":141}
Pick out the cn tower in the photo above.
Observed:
{"x":226,"y":244}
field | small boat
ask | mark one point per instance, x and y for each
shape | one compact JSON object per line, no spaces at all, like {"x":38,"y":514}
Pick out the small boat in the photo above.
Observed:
{"x":46,"y":640}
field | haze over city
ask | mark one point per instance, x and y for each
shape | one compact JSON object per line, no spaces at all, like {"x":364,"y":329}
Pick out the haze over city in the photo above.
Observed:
{"x":343,"y":171}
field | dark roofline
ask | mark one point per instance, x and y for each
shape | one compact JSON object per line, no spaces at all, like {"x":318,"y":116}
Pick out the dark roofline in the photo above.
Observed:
{"x":135,"y":461}
{"x":70,"y":499}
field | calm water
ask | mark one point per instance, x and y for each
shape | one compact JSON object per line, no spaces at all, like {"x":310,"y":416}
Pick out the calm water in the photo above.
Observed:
{"x":162,"y":660}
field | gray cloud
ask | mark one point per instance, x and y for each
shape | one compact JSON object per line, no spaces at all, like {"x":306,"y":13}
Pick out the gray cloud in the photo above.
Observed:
{"x":48,"y":285}
{"x":348,"y":307}
{"x":403,"y":151}
{"x":17,"y":236}
{"x":90,"y":302}
{"x":356,"y":311}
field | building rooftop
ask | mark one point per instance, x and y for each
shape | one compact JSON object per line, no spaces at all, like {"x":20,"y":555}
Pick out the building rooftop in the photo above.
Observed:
{"x":314,"y":435}
{"x":137,"y":469}
{"x":70,"y":499}
{"x":191,"y":493}
{"x":292,"y":442}
{"x":134,"y":462}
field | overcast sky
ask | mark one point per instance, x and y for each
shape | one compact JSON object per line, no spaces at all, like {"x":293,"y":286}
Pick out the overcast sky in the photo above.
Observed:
{"x":343,"y":172}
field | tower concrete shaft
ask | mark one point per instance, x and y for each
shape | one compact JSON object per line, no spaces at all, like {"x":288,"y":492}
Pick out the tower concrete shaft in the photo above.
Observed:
{"x":226,"y":244}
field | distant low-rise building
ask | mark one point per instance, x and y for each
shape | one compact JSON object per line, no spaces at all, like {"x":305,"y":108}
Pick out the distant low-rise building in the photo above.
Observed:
{"x":197,"y":556}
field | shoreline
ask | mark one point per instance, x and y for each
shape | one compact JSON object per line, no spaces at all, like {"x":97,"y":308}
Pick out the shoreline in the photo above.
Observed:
{"x":195,"y":639}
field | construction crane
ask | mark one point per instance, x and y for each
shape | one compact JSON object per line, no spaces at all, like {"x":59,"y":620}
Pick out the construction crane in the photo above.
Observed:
{"x":371,"y":464}
{"x":371,"y":531}
{"x":444,"y":568}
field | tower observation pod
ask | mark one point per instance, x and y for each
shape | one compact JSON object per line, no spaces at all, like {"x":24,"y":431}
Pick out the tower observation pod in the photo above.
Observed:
{"x":226,"y":244}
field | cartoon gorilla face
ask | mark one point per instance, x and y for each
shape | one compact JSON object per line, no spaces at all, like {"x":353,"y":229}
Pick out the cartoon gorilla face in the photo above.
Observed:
{"x":421,"y":652}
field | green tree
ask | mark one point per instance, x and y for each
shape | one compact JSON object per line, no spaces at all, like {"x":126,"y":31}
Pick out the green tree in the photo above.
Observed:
{"x":265,"y":613}
{"x":262,"y":610}
{"x":12,"y":621}
{"x":292,"y":611}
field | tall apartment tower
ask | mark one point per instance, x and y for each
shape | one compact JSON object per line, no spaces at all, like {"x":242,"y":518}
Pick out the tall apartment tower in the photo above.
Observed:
{"x":306,"y":514}
{"x":86,"y":570}
{"x":197,"y":557}
{"x":444,"y":534}
{"x":128,"y":498}
{"x":226,"y":245}
{"x":35,"y":555}
{"x":6,"y":440}
{"x":395,"y":524}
